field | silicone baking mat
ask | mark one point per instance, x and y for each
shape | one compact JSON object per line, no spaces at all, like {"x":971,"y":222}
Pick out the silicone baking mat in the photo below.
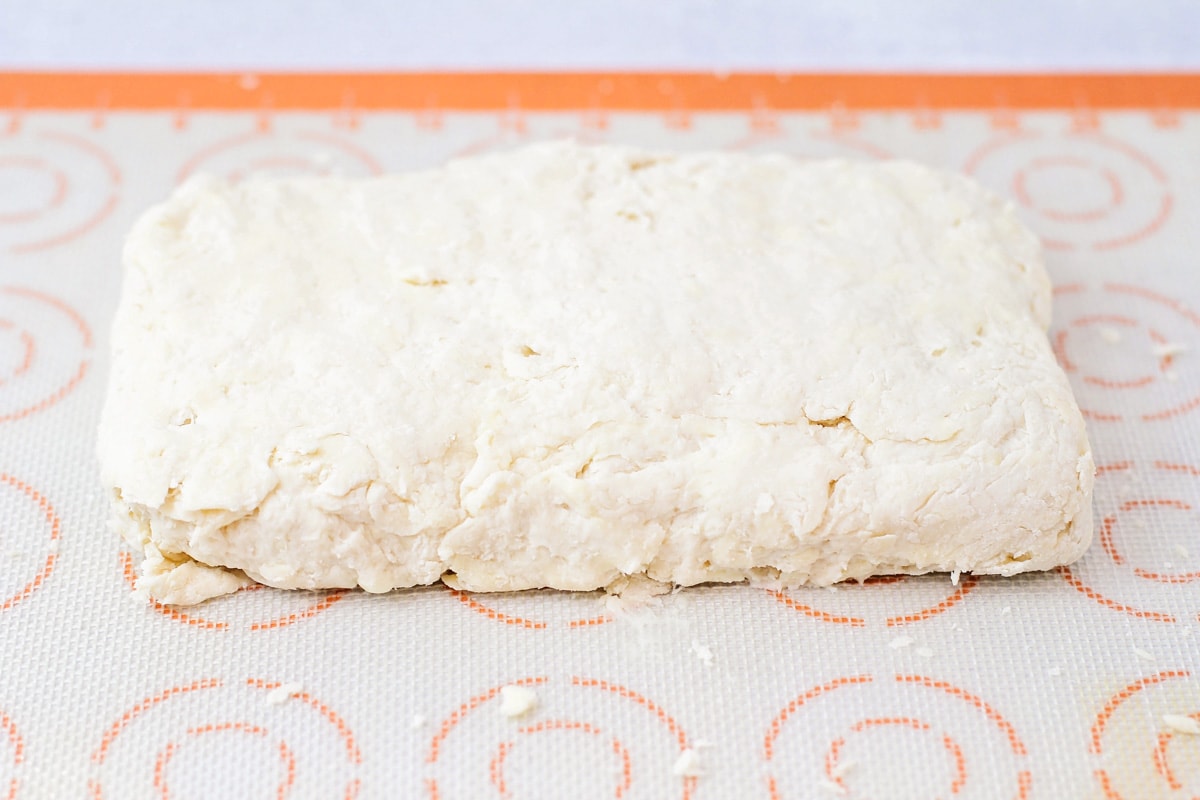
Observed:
{"x":1077,"y":683}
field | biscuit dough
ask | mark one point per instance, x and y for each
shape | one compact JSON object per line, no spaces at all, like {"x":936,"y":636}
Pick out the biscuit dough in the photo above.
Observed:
{"x":566,"y":365}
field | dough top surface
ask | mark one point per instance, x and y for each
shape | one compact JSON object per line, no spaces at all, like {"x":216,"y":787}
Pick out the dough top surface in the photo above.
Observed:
{"x":627,"y":331}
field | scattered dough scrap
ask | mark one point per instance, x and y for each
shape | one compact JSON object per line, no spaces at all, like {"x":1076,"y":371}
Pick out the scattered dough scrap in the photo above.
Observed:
{"x":284,"y":692}
{"x":1182,"y":723}
{"x":517,"y":701}
{"x":566,"y":365}
{"x":688,"y":764}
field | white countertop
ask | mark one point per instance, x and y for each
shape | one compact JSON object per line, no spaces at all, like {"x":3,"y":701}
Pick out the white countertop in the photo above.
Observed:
{"x":949,"y":35}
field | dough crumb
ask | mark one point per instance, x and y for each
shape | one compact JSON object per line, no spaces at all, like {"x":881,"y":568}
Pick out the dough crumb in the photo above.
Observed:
{"x":1182,"y":551}
{"x":688,"y":764}
{"x":633,"y":592}
{"x":1054,"y":671}
{"x":1168,"y":349}
{"x":924,"y":652}
{"x":703,"y":653}
{"x":418,"y":721}
{"x":517,"y":701}
{"x":830,"y":786}
{"x":1182,"y":723}
{"x":190,"y":582}
{"x":900,"y":642}
{"x":955,"y":574}
{"x":1006,"y":610}
{"x":1110,"y":335}
{"x":284,"y":692}
{"x":1144,"y":655}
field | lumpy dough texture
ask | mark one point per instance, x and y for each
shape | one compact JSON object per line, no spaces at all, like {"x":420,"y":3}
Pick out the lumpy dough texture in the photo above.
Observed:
{"x":563,"y":365}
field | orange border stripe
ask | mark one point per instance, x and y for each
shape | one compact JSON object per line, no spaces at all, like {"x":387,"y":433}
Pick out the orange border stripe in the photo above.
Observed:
{"x":624,"y":91}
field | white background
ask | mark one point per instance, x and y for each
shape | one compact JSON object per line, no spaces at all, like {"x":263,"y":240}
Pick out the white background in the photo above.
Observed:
{"x":601,"y":34}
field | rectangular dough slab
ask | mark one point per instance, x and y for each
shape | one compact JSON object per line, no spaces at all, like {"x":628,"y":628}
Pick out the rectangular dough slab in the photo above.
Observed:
{"x":563,"y":365}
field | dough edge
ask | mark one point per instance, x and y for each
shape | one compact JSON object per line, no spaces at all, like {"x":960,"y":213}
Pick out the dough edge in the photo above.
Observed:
{"x":176,"y":578}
